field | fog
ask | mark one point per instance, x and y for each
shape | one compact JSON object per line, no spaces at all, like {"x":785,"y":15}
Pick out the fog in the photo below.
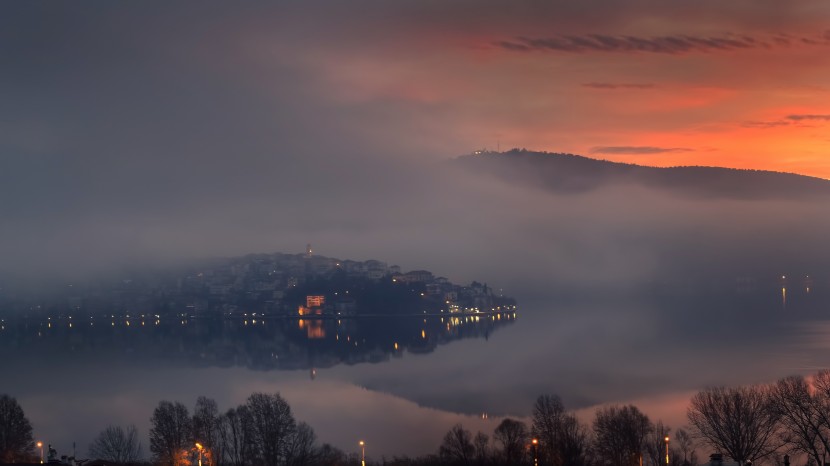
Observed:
{"x":153,"y":136}
{"x":417,"y":215}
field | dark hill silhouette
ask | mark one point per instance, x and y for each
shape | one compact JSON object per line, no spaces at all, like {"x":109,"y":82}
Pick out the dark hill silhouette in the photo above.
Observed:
{"x":568,"y":173}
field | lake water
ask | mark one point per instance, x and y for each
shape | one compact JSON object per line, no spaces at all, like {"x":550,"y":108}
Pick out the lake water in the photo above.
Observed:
{"x":401,"y":383}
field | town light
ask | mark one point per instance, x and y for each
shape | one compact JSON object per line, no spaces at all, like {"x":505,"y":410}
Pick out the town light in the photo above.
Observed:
{"x":362,"y":453}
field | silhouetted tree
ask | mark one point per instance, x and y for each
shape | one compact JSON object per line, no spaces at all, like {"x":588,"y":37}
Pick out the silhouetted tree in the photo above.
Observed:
{"x":821,"y":392}
{"x":206,"y":430}
{"x":620,"y":434}
{"x":562,"y":439}
{"x":802,"y":413}
{"x":686,"y":447}
{"x":16,"y":441}
{"x":170,"y":433}
{"x":273,"y":427}
{"x":481,"y":443}
{"x":457,"y":447}
{"x":655,"y":446}
{"x":740,"y":422}
{"x":301,"y":449}
{"x":573,"y":442}
{"x":237,"y":436}
{"x":512,"y":435}
{"x":117,"y":445}
{"x":328,"y":455}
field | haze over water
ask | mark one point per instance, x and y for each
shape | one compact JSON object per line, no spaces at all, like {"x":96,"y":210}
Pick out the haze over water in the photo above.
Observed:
{"x":650,"y":350}
{"x":147,"y":135}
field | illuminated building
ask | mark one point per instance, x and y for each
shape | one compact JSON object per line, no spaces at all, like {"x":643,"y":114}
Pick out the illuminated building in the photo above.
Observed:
{"x":315,"y":301}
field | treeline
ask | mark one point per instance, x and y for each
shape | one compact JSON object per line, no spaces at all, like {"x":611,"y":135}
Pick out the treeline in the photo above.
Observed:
{"x":618,"y":436}
{"x":260,"y":432}
{"x":747,"y":424}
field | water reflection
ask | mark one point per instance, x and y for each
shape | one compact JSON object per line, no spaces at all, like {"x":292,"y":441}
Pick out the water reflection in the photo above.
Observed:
{"x":261,"y":344}
{"x":651,"y":350}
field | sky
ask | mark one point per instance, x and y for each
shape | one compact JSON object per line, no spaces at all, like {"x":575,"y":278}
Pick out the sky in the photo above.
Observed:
{"x":158,"y":131}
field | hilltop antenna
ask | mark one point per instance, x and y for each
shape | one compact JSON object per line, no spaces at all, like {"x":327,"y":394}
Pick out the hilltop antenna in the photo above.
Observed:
{"x":498,"y":145}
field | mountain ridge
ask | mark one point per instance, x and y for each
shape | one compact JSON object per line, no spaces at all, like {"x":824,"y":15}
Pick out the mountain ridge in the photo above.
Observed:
{"x":571,"y":173}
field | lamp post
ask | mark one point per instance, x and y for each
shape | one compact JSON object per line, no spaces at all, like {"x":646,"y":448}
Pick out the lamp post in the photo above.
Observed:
{"x":667,"y":450}
{"x":362,"y":453}
{"x":40,"y":445}
{"x":199,"y":447}
{"x":535,"y":443}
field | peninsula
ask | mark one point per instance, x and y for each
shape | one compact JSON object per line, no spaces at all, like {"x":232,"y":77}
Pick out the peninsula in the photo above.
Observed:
{"x":266,"y":285}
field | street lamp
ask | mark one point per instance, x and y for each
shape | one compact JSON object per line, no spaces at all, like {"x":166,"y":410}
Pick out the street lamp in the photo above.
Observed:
{"x":667,"y":450}
{"x":40,"y":445}
{"x":200,"y":448}
{"x":362,"y":453}
{"x":535,"y":443}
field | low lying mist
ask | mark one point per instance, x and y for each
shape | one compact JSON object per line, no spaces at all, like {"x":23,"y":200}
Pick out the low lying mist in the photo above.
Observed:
{"x":430,"y":215}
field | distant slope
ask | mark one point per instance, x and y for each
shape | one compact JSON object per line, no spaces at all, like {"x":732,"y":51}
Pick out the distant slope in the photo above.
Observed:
{"x":568,"y":173}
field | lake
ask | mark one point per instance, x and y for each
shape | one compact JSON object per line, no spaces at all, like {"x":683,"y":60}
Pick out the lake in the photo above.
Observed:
{"x":400,"y":383}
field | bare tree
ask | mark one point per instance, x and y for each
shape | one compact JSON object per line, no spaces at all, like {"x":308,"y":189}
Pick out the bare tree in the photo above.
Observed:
{"x":117,"y":445}
{"x":273,"y":425}
{"x":512,"y":435}
{"x":457,"y":447}
{"x":620,"y":435}
{"x":16,"y":441}
{"x":573,"y":442}
{"x":548,"y":416}
{"x":328,"y":455}
{"x":685,"y":445}
{"x":655,"y":446}
{"x":170,"y":433}
{"x":481,"y":442}
{"x":562,"y":439}
{"x":301,"y":449}
{"x":206,"y":429}
{"x":801,"y":411}
{"x":236,"y":434}
{"x":737,"y":421}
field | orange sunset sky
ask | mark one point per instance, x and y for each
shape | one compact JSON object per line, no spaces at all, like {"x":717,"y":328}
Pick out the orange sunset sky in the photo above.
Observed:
{"x":742,"y":84}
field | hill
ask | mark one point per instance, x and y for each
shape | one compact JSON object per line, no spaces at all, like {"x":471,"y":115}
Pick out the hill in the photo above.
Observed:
{"x":568,"y":173}
{"x":268,"y":285}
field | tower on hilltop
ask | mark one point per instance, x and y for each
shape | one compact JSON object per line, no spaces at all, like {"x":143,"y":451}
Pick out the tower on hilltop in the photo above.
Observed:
{"x":308,"y":251}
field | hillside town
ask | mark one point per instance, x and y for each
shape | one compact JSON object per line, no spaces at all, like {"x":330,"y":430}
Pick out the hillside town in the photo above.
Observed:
{"x":267,"y":285}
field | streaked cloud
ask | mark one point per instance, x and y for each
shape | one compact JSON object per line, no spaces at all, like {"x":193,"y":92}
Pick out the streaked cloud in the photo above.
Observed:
{"x":673,"y":44}
{"x":632,"y":150}
{"x":765,"y":124}
{"x":597,"y":85}
{"x":789,"y":120}
{"x":808,"y":117}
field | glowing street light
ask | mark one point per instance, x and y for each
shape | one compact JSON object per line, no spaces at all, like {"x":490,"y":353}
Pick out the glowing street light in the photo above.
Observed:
{"x":667,"y":450}
{"x":200,"y":448}
{"x":40,"y":445}
{"x":535,"y":443}
{"x":362,"y":453}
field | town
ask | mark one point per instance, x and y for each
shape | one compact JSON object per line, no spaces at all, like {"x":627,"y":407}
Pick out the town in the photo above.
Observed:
{"x":264,"y":285}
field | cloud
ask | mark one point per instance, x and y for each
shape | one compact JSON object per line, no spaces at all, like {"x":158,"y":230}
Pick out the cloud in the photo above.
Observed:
{"x":788,"y":120}
{"x":765,"y":124}
{"x":808,"y":117}
{"x":595,"y":85}
{"x":637,"y":150}
{"x":675,"y":44}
